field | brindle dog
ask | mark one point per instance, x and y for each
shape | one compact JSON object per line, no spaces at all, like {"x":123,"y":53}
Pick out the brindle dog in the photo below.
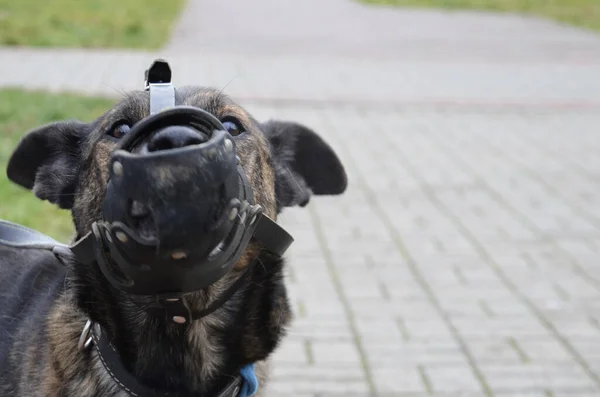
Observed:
{"x":45,"y":304}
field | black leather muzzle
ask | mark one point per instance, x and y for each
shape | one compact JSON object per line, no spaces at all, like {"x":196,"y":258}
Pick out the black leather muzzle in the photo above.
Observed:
{"x":199,"y":202}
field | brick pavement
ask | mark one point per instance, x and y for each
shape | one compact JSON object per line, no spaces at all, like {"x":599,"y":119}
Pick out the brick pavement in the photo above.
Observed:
{"x":463,"y":259}
{"x":462,"y":262}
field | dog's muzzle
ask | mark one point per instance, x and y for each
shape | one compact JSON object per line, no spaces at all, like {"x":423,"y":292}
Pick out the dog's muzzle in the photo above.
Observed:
{"x":177,"y":219}
{"x":196,"y":198}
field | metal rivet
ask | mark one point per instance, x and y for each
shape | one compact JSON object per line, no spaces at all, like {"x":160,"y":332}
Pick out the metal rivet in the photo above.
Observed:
{"x":233,"y":214}
{"x":256,"y":210}
{"x":228,"y":144}
{"x":179,"y":319}
{"x":177,"y":255}
{"x":122,"y":237}
{"x":117,"y":168}
{"x":98,"y":330}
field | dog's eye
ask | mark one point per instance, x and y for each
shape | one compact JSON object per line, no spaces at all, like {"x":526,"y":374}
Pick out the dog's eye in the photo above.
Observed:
{"x":119,"y":130}
{"x":233,"y":126}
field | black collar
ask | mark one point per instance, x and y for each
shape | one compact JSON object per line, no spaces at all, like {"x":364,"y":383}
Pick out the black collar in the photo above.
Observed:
{"x":114,"y":367}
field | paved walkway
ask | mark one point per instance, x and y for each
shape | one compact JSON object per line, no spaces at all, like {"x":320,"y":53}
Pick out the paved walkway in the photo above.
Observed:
{"x":463,"y":261}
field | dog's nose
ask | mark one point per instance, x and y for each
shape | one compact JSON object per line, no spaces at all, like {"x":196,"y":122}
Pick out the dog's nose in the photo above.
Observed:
{"x":174,"y":137}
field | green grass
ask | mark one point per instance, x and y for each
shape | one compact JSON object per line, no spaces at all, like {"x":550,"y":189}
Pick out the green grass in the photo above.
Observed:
{"x":87,"y":23}
{"x":19,"y":112}
{"x":584,"y":13}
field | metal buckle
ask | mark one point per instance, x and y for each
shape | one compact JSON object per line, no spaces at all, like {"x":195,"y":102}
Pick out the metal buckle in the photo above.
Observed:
{"x":85,"y":340}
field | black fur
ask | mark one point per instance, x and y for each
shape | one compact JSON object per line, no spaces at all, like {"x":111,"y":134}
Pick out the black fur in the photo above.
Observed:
{"x":304,"y":163}
{"x":47,"y":160}
{"x":30,"y":282}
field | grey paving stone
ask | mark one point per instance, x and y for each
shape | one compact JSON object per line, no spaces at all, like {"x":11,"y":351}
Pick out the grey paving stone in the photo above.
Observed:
{"x":532,"y":377}
{"x":297,"y":387}
{"x":452,"y":378}
{"x":398,"y":380}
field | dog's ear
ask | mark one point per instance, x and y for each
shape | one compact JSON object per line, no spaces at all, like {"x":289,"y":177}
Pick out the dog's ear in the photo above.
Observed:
{"x":304,"y":164}
{"x":47,"y":160}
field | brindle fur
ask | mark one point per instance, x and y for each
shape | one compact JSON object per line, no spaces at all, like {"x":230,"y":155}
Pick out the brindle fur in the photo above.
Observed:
{"x":42,"y":358}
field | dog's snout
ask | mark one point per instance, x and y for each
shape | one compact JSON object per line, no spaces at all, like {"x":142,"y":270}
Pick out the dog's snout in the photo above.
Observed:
{"x":174,"y":137}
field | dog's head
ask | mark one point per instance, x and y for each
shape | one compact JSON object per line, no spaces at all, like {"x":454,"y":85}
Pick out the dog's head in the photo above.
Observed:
{"x":68,"y":163}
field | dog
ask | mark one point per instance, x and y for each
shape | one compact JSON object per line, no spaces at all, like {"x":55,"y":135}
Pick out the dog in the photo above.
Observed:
{"x":50,"y":301}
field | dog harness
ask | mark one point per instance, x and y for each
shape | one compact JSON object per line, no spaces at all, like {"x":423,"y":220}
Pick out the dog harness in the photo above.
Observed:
{"x":194,"y":246}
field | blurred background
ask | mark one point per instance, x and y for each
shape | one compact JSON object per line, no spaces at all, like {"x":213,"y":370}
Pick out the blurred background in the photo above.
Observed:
{"x":463,"y":259}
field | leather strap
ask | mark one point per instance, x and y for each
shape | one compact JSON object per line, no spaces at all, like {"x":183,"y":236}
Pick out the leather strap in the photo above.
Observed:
{"x":271,"y":236}
{"x":178,"y":307}
{"x":162,"y":96}
{"x":18,"y":236}
{"x":112,"y":363}
{"x":158,"y":82}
